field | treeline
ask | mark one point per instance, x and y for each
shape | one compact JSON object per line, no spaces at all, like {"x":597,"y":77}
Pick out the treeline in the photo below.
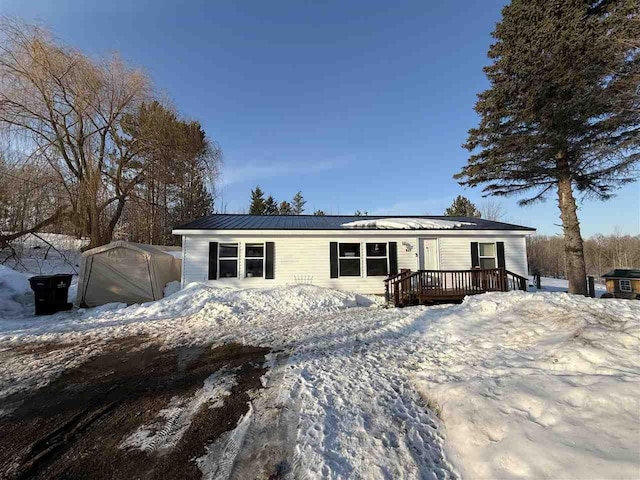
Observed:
{"x":89,"y":150}
{"x":270,"y":206}
{"x":602,"y":253}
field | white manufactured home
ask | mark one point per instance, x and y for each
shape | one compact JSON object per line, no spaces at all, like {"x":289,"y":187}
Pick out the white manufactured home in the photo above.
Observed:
{"x":343,"y":252}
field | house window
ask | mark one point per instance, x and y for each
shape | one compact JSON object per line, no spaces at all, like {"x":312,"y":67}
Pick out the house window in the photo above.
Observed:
{"x":228,"y":260}
{"x":349,"y":259}
{"x":487,"y":255}
{"x":377,"y":260}
{"x":254,"y":260}
{"x":625,"y":285}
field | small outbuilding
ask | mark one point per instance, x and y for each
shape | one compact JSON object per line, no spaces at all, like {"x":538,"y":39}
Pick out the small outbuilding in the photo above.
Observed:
{"x":125,"y":272}
{"x":623,"y":283}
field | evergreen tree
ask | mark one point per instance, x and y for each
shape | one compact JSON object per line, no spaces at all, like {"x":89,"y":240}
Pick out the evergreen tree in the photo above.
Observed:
{"x":298,"y":204}
{"x":258,"y":205}
{"x":319,"y":213}
{"x":270,"y":206}
{"x":285,"y":208}
{"x":462,"y":207}
{"x":562,"y":111}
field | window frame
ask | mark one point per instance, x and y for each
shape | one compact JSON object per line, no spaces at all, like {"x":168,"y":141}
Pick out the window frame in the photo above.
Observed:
{"x":359,"y":258}
{"x":263,"y":258}
{"x":222,"y":259}
{"x":628,"y":282}
{"x":367,"y":257}
{"x":494,"y":256}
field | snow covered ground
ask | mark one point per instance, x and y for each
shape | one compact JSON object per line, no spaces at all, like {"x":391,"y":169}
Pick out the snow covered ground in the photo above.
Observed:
{"x":41,"y":254}
{"x":506,"y":385}
{"x":550,"y":284}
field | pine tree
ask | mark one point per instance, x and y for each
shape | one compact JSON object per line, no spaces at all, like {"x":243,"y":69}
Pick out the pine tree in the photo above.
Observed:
{"x":562,"y":111}
{"x":319,"y":213}
{"x":285,"y":208}
{"x":257,"y":206}
{"x":270,"y":206}
{"x":298,"y":204}
{"x":462,"y":207}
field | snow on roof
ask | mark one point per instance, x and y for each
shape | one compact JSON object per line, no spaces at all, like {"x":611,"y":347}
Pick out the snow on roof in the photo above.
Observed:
{"x":333,"y":222}
{"x":406,"y":223}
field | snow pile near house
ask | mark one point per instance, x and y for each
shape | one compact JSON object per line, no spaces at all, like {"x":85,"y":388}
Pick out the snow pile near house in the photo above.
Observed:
{"x":406,"y":224}
{"x":212,"y":301}
{"x":15,"y":293}
{"x":171,"y":288}
{"x":537,"y":386}
{"x":202,"y":304}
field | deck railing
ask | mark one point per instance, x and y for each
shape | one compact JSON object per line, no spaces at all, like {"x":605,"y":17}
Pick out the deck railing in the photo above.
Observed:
{"x":424,"y":286}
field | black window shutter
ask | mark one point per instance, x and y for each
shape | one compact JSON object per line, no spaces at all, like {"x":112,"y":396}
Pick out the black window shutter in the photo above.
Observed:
{"x":269,"y":260}
{"x":213,"y":260}
{"x":393,"y":258}
{"x":333,"y":259}
{"x":475,"y":257}
{"x":500,"y":254}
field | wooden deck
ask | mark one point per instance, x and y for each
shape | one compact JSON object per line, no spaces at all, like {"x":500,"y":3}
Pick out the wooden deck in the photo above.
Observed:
{"x":432,"y":286}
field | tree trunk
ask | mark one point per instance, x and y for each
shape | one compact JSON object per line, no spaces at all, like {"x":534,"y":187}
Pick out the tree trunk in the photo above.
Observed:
{"x":573,"y":247}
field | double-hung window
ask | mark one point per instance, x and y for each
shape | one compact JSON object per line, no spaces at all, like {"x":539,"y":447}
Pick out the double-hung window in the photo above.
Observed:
{"x":349,"y":259}
{"x":377,"y":259}
{"x":254,"y":260}
{"x":625,"y":285}
{"x":228,"y":260}
{"x":487,"y":255}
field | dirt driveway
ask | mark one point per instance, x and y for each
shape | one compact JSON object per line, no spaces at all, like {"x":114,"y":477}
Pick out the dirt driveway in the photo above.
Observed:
{"x":133,"y":411}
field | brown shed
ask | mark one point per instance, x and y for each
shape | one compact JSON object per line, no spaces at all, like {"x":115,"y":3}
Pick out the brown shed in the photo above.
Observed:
{"x":623,"y":283}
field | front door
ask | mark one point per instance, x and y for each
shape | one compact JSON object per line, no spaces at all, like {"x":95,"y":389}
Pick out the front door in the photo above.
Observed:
{"x":428,"y":254}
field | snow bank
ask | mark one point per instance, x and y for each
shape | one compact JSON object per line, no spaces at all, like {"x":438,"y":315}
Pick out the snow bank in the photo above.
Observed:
{"x":15,"y":293}
{"x":171,"y":288}
{"x":405,"y":224}
{"x":46,"y":254}
{"x":537,"y":386}
{"x":297,"y":299}
{"x":204,"y":303}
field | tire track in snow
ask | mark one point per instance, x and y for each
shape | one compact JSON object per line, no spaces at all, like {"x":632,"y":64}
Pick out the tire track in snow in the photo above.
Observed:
{"x":360,"y":415}
{"x":263,"y":442}
{"x":174,"y":421}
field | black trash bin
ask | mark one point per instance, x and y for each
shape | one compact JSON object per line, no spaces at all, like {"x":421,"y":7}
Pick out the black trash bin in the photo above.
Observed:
{"x":51,"y":293}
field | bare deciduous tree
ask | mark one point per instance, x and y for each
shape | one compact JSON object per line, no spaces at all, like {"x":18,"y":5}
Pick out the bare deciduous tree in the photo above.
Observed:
{"x":492,"y":210}
{"x":602,"y":253}
{"x":68,"y":110}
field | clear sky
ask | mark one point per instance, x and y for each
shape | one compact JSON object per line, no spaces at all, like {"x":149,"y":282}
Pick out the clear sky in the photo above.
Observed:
{"x":362,"y":105}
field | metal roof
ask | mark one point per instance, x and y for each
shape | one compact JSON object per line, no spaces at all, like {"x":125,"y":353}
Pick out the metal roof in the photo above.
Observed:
{"x":328,"y":222}
{"x":622,"y":273}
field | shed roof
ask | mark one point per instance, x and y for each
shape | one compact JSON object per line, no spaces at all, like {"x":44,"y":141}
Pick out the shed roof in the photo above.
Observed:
{"x":327,"y":222}
{"x":140,"y":247}
{"x":622,"y":273}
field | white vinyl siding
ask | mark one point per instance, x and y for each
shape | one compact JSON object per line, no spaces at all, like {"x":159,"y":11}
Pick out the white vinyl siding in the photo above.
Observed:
{"x":304,"y":258}
{"x":455,"y":252}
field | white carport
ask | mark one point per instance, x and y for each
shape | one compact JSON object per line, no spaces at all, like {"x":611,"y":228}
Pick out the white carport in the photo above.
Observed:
{"x":125,"y":272}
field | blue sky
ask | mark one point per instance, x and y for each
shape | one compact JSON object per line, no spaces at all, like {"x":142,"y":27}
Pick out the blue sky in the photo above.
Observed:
{"x":361,"y":105}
